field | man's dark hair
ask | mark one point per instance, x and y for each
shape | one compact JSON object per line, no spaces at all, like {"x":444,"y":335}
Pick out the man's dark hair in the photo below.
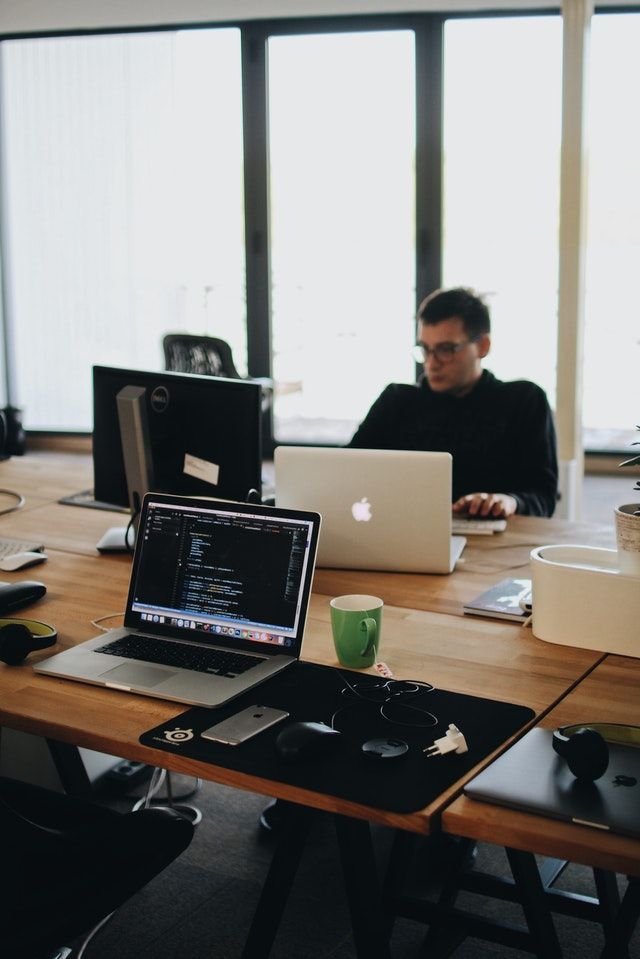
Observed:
{"x":458,"y":302}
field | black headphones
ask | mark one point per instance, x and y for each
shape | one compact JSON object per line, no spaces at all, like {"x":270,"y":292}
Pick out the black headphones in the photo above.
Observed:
{"x":12,"y":436}
{"x":19,"y":637}
{"x":584,"y":747}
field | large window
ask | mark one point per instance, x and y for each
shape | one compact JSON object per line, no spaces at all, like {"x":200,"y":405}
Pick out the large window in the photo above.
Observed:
{"x":342,"y":201}
{"x":373,"y":150}
{"x":502,"y":103}
{"x":611,"y":400}
{"x":124,"y":206}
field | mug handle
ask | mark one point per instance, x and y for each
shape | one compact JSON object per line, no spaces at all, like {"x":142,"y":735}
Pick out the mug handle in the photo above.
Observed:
{"x":370,"y":627}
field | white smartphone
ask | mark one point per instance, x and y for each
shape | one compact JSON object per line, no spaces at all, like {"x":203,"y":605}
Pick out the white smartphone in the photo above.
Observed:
{"x":245,"y":724}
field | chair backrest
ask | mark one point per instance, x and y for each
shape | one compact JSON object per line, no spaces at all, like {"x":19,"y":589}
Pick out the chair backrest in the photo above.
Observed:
{"x":70,"y":863}
{"x":207,"y":355}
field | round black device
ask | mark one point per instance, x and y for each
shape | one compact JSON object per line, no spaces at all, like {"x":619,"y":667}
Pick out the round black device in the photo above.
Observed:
{"x":385,"y":748}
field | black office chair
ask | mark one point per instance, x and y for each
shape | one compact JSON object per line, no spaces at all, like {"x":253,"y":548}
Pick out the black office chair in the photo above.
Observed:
{"x":207,"y":355}
{"x":67,"y":864}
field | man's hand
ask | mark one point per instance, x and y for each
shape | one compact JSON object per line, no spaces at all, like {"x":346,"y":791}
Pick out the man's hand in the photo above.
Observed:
{"x":499,"y":505}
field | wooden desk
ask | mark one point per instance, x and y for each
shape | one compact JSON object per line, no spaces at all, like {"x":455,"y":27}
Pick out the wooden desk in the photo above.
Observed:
{"x":485,"y":560}
{"x":611,"y":693}
{"x":425,"y":636}
{"x":74,"y":529}
{"x":42,"y":478}
{"x":465,"y":654}
{"x":499,"y":660}
{"x":46,"y":476}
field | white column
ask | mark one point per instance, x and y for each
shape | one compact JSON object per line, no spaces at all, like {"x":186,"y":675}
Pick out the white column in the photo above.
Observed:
{"x":576,"y":18}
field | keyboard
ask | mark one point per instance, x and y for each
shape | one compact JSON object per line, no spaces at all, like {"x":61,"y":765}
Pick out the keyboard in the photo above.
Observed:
{"x":10,"y":546}
{"x":477,"y":527}
{"x":218,"y":662}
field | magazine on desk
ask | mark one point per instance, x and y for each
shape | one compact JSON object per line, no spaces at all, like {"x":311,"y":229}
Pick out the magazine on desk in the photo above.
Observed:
{"x":502,"y":601}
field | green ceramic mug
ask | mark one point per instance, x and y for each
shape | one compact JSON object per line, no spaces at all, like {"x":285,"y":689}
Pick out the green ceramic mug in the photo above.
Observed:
{"x":356,"y":622}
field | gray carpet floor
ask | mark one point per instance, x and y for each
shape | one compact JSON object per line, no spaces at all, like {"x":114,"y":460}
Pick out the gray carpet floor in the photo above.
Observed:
{"x":202,"y":905}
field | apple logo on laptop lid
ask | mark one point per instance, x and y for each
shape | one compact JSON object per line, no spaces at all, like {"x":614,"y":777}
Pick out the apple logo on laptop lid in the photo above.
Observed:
{"x":361,"y":510}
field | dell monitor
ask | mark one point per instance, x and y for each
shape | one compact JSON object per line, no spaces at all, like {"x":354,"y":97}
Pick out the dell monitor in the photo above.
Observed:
{"x":204,"y":434}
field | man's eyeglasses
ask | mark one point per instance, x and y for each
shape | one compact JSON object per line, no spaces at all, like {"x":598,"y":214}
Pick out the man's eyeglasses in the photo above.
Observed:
{"x":444,"y":352}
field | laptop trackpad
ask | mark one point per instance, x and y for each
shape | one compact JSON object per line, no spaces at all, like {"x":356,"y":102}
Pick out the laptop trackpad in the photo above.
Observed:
{"x":136,"y":674}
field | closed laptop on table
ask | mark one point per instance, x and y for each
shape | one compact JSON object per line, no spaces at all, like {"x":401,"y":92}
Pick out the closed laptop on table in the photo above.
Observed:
{"x":531,"y":777}
{"x":217,"y":602}
{"x":381,"y":509}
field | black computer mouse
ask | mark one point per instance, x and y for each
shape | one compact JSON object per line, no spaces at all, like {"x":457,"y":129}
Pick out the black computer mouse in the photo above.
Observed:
{"x":305,"y":740}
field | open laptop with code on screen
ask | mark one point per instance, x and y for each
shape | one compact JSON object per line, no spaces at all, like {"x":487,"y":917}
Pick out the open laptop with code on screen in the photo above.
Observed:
{"x":217,"y":602}
{"x":381,"y":509}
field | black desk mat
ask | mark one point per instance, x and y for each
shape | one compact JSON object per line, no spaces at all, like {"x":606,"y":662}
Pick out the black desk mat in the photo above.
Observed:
{"x":312,"y":692}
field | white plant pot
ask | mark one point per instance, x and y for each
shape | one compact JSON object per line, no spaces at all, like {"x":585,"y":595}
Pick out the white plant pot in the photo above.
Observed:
{"x":628,"y":539}
{"x":581,"y":598}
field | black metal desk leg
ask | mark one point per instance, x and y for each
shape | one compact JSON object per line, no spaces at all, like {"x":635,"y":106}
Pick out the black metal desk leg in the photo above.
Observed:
{"x":402,"y":851}
{"x":363,"y":890}
{"x":625,"y":921}
{"x":609,"y":903}
{"x":70,"y":768}
{"x":533,"y":900}
{"x":293,"y":832}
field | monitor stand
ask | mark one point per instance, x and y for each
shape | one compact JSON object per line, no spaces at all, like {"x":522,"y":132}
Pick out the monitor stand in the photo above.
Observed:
{"x":85,"y":498}
{"x":136,"y":455}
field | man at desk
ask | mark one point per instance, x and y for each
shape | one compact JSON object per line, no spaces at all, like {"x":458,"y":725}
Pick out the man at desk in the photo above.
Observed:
{"x":501,"y":435}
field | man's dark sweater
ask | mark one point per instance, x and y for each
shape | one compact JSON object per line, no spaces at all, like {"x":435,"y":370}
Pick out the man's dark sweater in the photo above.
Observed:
{"x":501,"y":436}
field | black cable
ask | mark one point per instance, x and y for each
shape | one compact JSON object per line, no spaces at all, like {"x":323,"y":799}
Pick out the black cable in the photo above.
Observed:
{"x":134,"y":517}
{"x":386,"y":694}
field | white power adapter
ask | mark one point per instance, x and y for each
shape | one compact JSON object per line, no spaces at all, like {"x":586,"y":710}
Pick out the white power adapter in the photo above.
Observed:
{"x":452,"y":742}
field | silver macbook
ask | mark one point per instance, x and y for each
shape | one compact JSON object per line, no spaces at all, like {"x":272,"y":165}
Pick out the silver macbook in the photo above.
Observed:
{"x":531,"y":777}
{"x":217,"y":602}
{"x":381,"y":509}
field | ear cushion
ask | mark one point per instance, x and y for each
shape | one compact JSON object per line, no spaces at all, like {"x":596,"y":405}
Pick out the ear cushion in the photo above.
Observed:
{"x":15,"y":643}
{"x":585,"y":753}
{"x":18,"y":638}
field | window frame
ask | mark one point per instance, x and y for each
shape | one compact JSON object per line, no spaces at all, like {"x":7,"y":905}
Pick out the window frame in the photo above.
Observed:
{"x":428,"y":29}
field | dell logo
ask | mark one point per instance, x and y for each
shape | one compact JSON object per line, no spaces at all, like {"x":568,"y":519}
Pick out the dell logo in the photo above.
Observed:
{"x":160,"y":399}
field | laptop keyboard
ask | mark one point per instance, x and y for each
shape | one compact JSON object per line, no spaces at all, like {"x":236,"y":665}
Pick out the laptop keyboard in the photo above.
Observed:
{"x":218,"y":662}
{"x":475,"y":527}
{"x":10,"y":546}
